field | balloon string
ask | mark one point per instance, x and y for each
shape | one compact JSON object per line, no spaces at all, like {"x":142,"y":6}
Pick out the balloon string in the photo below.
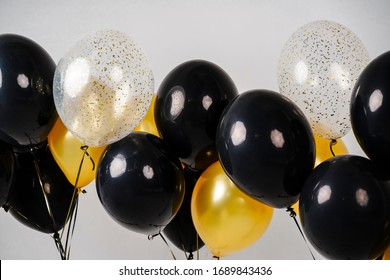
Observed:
{"x":71,"y":216}
{"x":197,"y":246}
{"x":56,"y":238}
{"x":332,"y":143}
{"x":293,"y":215}
{"x":151,"y":237}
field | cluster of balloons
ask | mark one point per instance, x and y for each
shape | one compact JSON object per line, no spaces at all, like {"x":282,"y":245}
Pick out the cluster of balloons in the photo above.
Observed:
{"x":197,"y":161}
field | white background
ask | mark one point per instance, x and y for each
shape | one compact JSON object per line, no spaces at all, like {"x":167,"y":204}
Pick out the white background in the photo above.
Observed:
{"x":244,"y":37}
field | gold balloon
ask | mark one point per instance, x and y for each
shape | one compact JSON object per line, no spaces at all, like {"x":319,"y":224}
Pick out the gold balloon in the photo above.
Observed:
{"x":148,"y":124}
{"x":67,"y":152}
{"x":323,"y":151}
{"x":226,"y":219}
{"x":386,"y":255}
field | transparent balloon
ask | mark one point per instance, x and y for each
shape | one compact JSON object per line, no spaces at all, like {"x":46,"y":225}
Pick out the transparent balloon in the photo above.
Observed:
{"x":317,"y":70}
{"x":103,"y":87}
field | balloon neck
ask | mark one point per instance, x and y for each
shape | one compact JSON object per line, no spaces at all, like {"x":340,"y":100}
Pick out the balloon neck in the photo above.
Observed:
{"x":27,"y":149}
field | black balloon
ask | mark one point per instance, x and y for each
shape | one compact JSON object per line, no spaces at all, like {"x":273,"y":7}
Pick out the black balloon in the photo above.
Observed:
{"x":27,"y":110}
{"x":266,"y":146}
{"x":370,"y":109}
{"x":181,"y":230}
{"x":344,"y":209}
{"x":140,"y":183}
{"x":7,"y":166}
{"x":189,"y":103}
{"x":27,"y":199}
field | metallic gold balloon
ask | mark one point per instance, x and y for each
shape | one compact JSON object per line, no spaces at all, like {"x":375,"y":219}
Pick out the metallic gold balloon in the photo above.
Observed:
{"x":226,"y":219}
{"x":66,"y":150}
{"x":386,"y":255}
{"x":323,"y":151}
{"x":148,"y":124}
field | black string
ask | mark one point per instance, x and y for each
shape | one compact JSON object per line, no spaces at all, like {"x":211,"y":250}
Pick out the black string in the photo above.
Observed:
{"x":293,"y":215}
{"x":332,"y":143}
{"x":56,"y":237}
{"x":151,"y":237}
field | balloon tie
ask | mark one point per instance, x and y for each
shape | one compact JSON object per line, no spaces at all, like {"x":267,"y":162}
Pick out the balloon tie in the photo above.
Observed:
{"x":294,"y":216}
{"x":56,"y":237}
{"x":332,"y":143}
{"x":190,"y":256}
{"x":216,"y":258}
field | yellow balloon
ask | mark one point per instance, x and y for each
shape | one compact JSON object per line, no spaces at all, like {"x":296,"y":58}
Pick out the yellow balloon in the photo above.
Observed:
{"x":386,"y":255}
{"x":67,"y":152}
{"x":148,"y":124}
{"x":323,"y":151}
{"x":225,"y":218}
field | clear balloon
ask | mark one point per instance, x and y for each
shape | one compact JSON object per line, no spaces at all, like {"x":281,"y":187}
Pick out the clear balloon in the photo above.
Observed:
{"x":68,"y":153}
{"x":317,"y":69}
{"x":226,"y":219}
{"x":103,"y":87}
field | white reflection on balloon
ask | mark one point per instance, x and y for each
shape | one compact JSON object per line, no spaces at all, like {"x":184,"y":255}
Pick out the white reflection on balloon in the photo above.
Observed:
{"x":76,"y":77}
{"x":122,"y":96}
{"x":301,"y":72}
{"x":324,"y":194}
{"x":277,"y":138}
{"x":238,"y":133}
{"x":177,"y":104}
{"x":219,"y":192}
{"x":148,"y":172}
{"x":118,"y":166}
{"x":47,"y":187}
{"x":116,"y":74}
{"x":361,"y":197}
{"x":206,"y":102}
{"x":340,"y":75}
{"x":375,"y":101}
{"x":22,"y":81}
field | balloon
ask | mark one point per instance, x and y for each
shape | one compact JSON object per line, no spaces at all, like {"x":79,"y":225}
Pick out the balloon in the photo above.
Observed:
{"x":386,"y":255}
{"x":66,"y":150}
{"x":140,"y":183}
{"x":181,"y":230}
{"x":226,"y":219}
{"x":7,"y":166}
{"x":266,"y":146}
{"x":189,"y":103}
{"x":344,"y":209}
{"x":317,"y":69}
{"x":370,"y":111}
{"x":148,"y":124}
{"x":323,"y":151}
{"x":27,"y":111}
{"x":103,"y":87}
{"x":27,"y":200}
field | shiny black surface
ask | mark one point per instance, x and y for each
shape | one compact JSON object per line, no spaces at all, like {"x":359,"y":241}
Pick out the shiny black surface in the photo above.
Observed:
{"x":266,"y":146}
{"x":26,"y":199}
{"x":140,"y":183}
{"x":27,"y":110}
{"x":370,"y":109}
{"x":7,"y":166}
{"x":181,"y":230}
{"x":189,"y":103}
{"x":344,"y":208}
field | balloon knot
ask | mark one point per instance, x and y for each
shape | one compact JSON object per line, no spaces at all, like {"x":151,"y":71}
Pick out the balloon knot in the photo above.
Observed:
{"x":292,"y":212}
{"x":190,"y":256}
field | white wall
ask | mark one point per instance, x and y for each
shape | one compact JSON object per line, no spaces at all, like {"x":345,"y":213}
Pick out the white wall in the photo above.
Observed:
{"x":243,"y":37}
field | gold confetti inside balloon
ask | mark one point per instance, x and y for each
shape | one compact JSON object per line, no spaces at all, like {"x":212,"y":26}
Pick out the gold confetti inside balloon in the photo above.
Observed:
{"x":103,"y":87}
{"x":317,"y":70}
